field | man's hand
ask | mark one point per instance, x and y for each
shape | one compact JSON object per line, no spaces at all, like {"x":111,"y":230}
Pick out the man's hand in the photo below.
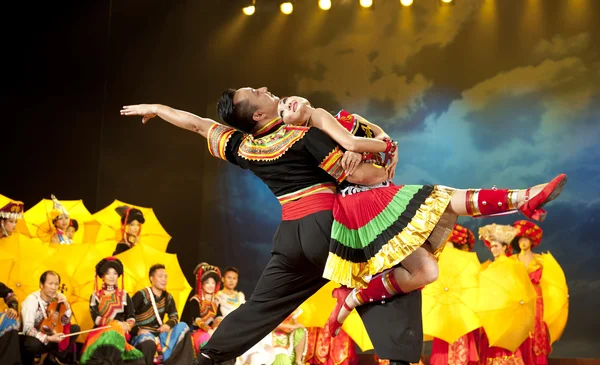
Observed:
{"x":56,"y":338}
{"x":164,"y":328}
{"x":391,"y":168}
{"x":350,"y":162}
{"x":147,"y":111}
{"x":11,"y":313}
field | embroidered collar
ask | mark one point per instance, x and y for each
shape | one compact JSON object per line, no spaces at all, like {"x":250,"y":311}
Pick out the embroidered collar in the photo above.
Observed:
{"x":269,"y":127}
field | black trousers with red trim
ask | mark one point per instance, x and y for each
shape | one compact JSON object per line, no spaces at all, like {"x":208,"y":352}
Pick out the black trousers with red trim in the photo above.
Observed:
{"x":292,"y":275}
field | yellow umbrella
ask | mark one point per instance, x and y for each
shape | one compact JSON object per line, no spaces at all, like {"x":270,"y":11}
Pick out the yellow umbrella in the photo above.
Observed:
{"x":21,"y":225}
{"x":153,"y":233}
{"x":506,"y":303}
{"x":7,"y":261}
{"x":449,"y":302}
{"x":28,"y":253}
{"x":137,"y":262}
{"x":316,"y":311}
{"x":556,"y":297}
{"x":39,"y":224}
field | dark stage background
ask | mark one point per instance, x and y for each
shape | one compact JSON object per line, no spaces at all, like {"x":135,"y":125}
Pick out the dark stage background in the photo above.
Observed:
{"x":484,"y":92}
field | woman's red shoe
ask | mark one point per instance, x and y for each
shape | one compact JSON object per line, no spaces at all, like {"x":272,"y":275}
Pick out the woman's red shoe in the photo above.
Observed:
{"x":532,"y":208}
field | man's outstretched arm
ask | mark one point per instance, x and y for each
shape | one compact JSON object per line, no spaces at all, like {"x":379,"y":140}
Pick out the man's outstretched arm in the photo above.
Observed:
{"x":179,"y":118}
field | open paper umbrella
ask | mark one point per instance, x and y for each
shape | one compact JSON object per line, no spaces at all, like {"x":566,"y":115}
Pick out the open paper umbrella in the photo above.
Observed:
{"x":153,"y":234}
{"x":28,"y":253}
{"x":556,"y":297}
{"x":7,"y":261}
{"x":21,"y":226}
{"x":137,"y":262}
{"x":39,"y":224}
{"x":316,"y":310}
{"x":449,"y":302}
{"x":506,"y":303}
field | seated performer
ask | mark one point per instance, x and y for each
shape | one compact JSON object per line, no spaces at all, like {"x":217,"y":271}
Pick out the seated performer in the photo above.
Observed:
{"x":72,"y":228}
{"x":9,"y":328}
{"x":59,"y":217}
{"x":132,"y":220}
{"x":202,"y":310}
{"x":40,"y":324}
{"x":168,"y":341}
{"x":230,"y":299}
{"x":464,"y":350}
{"x":111,"y":306}
{"x":9,"y":214}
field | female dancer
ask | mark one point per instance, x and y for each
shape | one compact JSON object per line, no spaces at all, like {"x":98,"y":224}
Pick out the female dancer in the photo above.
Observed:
{"x":376,"y":228}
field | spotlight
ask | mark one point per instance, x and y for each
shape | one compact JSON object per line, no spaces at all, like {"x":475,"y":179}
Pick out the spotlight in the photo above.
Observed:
{"x":366,"y":3}
{"x":406,"y":2}
{"x":286,"y":8}
{"x":446,"y":1}
{"x":325,"y":4}
{"x":249,"y":10}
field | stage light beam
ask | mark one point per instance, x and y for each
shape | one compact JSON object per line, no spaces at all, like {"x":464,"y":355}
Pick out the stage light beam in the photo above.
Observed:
{"x":406,"y":2}
{"x":325,"y":4}
{"x":286,"y":8}
{"x":447,"y":1}
{"x":366,"y":3}
{"x":249,"y":10}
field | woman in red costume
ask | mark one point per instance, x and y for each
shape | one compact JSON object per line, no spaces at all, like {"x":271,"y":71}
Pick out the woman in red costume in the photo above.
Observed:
{"x":378,"y":227}
{"x":464,"y":350}
{"x":498,"y":238}
{"x":202,"y":311}
{"x":536,"y":348}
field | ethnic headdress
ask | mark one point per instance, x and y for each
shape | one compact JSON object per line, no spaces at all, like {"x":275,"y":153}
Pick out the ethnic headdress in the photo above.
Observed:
{"x":462,"y":236}
{"x":530,"y":230}
{"x":13,"y":209}
{"x":57,"y":209}
{"x":129,"y":214}
{"x":499,"y":233}
{"x":105,"y":264}
{"x":203,"y":272}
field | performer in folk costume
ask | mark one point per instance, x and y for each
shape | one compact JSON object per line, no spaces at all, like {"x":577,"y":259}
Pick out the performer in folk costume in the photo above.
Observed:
{"x":72,"y":229}
{"x":167,"y":341}
{"x":132,"y":220}
{"x":464,"y":350}
{"x":59,"y":218}
{"x":203,"y":310}
{"x":110,"y":305}
{"x":9,"y":328}
{"x":498,"y":237}
{"x":377,"y":227}
{"x":536,"y":348}
{"x":39,"y":340}
{"x":302,"y":166}
{"x":230,"y":299}
{"x":9,"y":215}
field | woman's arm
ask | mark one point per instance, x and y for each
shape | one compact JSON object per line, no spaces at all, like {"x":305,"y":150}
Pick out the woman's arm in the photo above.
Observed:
{"x":328,"y":124}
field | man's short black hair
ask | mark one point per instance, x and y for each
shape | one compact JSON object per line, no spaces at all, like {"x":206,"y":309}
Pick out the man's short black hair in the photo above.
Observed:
{"x":239,"y":115}
{"x":155,"y":267}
